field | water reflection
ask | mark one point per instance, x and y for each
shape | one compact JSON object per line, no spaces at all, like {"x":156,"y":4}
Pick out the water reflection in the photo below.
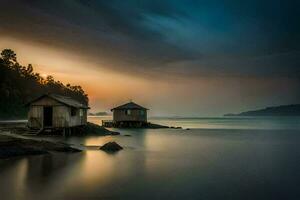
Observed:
{"x":163,"y":164}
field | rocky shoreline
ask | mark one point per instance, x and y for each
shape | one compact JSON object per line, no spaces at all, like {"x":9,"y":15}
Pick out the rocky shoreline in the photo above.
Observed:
{"x":146,"y":125}
{"x":20,"y":128}
{"x":94,"y":129}
{"x":14,"y":141}
{"x":12,"y":146}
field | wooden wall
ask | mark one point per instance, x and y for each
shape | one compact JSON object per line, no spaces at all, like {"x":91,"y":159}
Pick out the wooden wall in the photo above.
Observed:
{"x":120,"y":115}
{"x":35,"y":116}
{"x":61,"y":114}
{"x":77,"y":119}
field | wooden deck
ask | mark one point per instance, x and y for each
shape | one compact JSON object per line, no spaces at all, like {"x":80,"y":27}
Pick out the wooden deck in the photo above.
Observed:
{"x":124,"y":124}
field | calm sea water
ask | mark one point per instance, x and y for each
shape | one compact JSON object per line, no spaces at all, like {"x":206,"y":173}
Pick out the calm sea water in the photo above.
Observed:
{"x":219,"y":158}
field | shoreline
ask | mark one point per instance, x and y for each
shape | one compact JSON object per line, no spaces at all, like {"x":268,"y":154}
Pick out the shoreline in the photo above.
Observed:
{"x":16,"y":140}
{"x":19,"y":127}
{"x":12,"y":145}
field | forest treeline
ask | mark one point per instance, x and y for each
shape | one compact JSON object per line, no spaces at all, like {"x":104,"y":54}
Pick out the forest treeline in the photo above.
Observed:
{"x":20,"y":84}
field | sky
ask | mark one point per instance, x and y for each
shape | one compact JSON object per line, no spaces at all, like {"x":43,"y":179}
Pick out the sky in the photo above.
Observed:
{"x":178,"y":58}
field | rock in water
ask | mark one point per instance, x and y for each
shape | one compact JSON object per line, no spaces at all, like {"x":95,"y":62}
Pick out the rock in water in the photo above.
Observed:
{"x":111,"y":146}
{"x":115,"y":133}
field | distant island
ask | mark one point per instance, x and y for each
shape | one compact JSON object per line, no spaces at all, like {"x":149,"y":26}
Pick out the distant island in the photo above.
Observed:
{"x":99,"y":114}
{"x":283,"y":110}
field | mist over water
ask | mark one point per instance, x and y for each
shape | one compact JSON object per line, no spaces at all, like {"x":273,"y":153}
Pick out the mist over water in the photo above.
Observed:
{"x":271,"y":123}
{"x":219,"y":158}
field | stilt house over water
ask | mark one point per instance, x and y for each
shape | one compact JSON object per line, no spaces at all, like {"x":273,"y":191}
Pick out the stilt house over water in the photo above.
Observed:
{"x":51,"y":111}
{"x":128,"y":115}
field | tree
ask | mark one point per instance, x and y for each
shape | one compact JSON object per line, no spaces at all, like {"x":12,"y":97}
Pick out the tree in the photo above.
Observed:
{"x":9,"y":57}
{"x":29,"y":69}
{"x":50,"y":79}
{"x":19,"y":84}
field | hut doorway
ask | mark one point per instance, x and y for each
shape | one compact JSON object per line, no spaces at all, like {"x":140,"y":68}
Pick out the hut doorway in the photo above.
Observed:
{"x":48,"y":114}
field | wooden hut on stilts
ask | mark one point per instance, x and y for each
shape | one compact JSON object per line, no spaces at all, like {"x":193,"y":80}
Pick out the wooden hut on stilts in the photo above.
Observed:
{"x":52,"y":112}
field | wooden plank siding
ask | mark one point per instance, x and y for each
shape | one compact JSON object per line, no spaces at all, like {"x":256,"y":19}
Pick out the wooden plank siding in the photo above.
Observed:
{"x":61,"y":117}
{"x":35,"y":116}
{"x":135,"y":115}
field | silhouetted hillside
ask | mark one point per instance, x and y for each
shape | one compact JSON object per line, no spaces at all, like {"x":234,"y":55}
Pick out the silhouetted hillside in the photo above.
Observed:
{"x":19,"y":84}
{"x":285,"y":110}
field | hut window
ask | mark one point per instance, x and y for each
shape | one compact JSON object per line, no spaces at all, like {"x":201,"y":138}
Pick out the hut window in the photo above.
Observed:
{"x":128,"y":112}
{"x":73,"y":111}
{"x":80,"y":112}
{"x":142,"y":112}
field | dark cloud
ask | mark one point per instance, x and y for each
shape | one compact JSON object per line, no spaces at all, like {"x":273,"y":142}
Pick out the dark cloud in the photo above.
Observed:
{"x":198,"y":38}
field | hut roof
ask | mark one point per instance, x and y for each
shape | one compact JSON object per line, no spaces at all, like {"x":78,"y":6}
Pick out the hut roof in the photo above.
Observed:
{"x":69,"y":101}
{"x":130,"y":105}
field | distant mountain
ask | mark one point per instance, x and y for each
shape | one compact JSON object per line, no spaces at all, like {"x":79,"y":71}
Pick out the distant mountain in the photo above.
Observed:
{"x":284,"y":110}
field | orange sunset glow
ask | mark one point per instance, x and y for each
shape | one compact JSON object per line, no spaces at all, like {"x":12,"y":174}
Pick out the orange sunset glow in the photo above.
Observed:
{"x":149,"y":99}
{"x":108,"y":87}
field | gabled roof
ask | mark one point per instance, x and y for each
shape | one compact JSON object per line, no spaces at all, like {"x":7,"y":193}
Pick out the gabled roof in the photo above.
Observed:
{"x":130,"y":105}
{"x":69,"y":101}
